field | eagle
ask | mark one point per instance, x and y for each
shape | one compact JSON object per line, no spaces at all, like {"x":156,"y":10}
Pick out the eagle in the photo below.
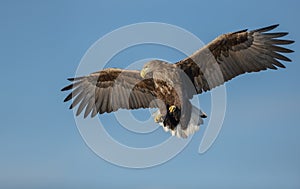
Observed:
{"x":169,"y":87}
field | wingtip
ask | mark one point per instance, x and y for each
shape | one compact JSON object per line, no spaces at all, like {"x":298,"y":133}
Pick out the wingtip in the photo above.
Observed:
{"x":78,"y":112}
{"x":64,"y":89}
{"x":71,"y":106}
{"x":240,"y":31}
{"x":288,"y":60}
{"x":75,"y":78}
{"x":268,"y":28}
{"x":272,"y":26}
{"x":68,"y":87}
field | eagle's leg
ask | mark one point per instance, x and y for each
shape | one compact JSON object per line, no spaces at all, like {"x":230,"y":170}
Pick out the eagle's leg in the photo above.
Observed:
{"x":172,"y":108}
{"x":161,"y":113}
{"x":159,"y":118}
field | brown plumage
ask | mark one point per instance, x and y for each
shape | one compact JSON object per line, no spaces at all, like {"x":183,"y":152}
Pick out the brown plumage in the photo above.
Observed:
{"x":224,"y":58}
{"x":110,"y":89}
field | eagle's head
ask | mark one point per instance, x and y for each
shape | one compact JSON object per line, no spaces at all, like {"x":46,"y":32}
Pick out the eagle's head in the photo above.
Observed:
{"x":150,"y":67}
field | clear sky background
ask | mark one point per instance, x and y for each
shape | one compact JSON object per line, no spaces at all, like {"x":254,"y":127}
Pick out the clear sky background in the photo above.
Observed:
{"x":41,"y":44}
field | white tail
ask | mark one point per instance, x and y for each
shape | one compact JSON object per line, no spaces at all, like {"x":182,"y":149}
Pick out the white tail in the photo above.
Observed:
{"x":193,"y":126}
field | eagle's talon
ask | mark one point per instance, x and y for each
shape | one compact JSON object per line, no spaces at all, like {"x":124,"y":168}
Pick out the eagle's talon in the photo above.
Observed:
{"x":159,"y":118}
{"x":172,"y":108}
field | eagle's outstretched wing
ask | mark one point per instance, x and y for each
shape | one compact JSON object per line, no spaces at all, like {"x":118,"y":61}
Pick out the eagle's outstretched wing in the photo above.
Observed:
{"x":110,"y":89}
{"x":232,"y":54}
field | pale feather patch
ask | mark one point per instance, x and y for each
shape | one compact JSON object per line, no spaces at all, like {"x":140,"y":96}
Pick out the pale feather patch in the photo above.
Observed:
{"x":194,"y":124}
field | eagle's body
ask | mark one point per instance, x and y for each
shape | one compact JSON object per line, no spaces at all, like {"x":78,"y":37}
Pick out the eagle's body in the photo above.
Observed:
{"x":169,"y":87}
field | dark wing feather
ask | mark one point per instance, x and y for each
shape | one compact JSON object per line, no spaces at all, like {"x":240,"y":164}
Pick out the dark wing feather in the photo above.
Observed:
{"x":110,"y":89}
{"x":232,"y":54}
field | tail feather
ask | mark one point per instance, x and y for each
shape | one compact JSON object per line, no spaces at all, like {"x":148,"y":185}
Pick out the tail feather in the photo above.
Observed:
{"x":193,"y":126}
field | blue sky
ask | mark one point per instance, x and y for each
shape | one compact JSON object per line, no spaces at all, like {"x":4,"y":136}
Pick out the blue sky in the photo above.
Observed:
{"x":42,"y":43}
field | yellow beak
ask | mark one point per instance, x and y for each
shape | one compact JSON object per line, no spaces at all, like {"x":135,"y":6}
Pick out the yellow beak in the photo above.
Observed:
{"x":143,"y":73}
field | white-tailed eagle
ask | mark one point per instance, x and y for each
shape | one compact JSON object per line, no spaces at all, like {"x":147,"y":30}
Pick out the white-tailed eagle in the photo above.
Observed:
{"x":169,"y":87}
